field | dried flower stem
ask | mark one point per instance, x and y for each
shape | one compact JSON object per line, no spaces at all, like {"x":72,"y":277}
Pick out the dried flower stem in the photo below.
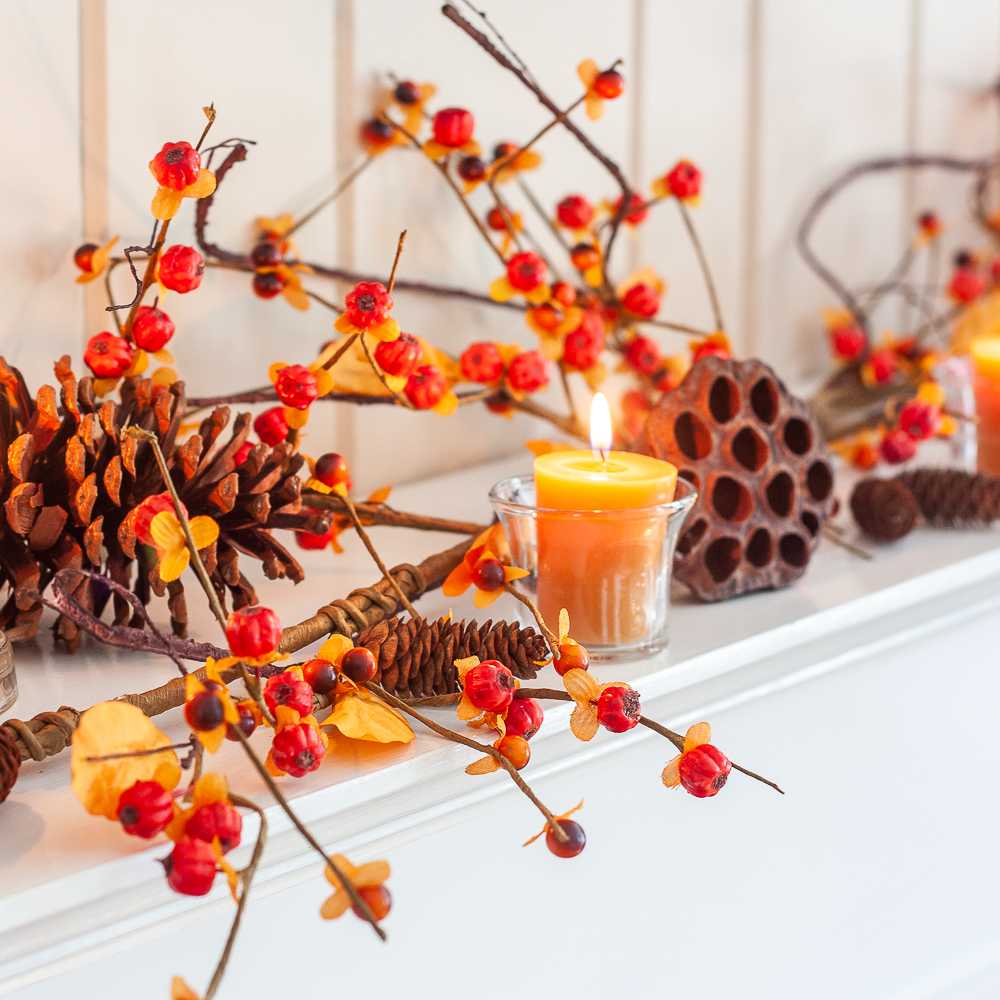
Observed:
{"x":448,"y":734}
{"x":337,"y":192}
{"x":844,"y":544}
{"x":679,"y":327}
{"x":550,"y":637}
{"x":381,"y":514}
{"x":395,"y":263}
{"x":703,"y":263}
{"x":356,"y":899}
{"x":543,"y":215}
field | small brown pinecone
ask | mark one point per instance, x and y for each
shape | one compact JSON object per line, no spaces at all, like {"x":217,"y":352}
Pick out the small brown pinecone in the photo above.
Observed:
{"x":10,"y":762}
{"x":884,"y":509}
{"x":950,"y":498}
{"x":416,"y":659}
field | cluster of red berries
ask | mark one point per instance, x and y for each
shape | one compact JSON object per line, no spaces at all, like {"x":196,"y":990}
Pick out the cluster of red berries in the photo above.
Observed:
{"x":919,"y":420}
{"x":191,"y":866}
{"x":331,"y":470}
{"x":483,"y":362}
{"x":425,"y":385}
{"x":267,"y":282}
{"x":583,"y":346}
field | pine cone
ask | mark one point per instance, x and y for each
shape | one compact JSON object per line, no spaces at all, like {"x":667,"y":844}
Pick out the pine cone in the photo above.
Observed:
{"x":416,"y":659}
{"x":73,"y":480}
{"x":950,"y":498}
{"x":10,"y":763}
{"x":884,"y":509}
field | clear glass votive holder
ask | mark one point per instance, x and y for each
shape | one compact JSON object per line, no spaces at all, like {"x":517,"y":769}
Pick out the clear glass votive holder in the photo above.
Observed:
{"x":610,"y":569}
{"x":8,"y":678}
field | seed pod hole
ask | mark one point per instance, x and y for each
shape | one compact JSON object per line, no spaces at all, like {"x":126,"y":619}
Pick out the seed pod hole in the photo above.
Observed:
{"x":689,"y":475}
{"x":760,"y":548}
{"x":764,"y":400}
{"x":793,"y":550}
{"x":692,"y":537}
{"x":692,"y":436}
{"x":819,"y":480}
{"x":798,"y":437}
{"x":724,"y":399}
{"x":780,"y":494}
{"x":750,"y":449}
{"x":722,"y":557}
{"x":811,"y":522}
{"x":731,"y":500}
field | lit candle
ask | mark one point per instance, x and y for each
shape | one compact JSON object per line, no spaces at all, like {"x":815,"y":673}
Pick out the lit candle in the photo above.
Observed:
{"x":985,"y":353}
{"x":600,"y":569}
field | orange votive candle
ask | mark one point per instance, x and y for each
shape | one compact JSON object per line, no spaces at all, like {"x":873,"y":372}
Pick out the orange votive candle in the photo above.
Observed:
{"x":602,"y":569}
{"x":985,"y":353}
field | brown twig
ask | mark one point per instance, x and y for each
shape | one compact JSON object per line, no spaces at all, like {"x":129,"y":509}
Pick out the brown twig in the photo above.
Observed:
{"x":383,"y":515}
{"x":338,"y":191}
{"x":395,"y":263}
{"x":550,"y":637}
{"x":844,"y":544}
{"x":703,"y":263}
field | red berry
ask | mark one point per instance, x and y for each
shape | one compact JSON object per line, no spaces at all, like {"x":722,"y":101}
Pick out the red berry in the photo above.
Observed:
{"x":704,"y":770}
{"x":583,"y":345}
{"x":471,"y":169}
{"x":609,"y":84}
{"x":497,"y":404}
{"x":247,"y":723}
{"x":331,"y":469}
{"x":516,"y":750}
{"x":267,"y":284}
{"x":505,"y":150}
{"x":310,"y":540}
{"x":618,"y":708}
{"x":709,"y":349}
{"x":108,"y":356}
{"x":205,"y":712}
{"x":684,"y":181}
{"x":883,"y":364}
{"x":482,"y":362}
{"x":897,"y":447}
{"x":566,"y":848}
{"x":966,"y":285}
{"x":216,"y":819}
{"x":963,"y":258}
{"x":524,"y":717}
{"x":637,"y":209}
{"x":367,"y":304}
{"x":570,"y":656}
{"x":290,"y":690}
{"x":266,"y":253}
{"x":181,"y":268}
{"x":359,"y":665}
{"x":546,"y":317}
{"x":584,"y":256}
{"x":296,"y":387}
{"x":379,"y":901}
{"x":848,"y":341}
{"x":426,"y":387}
{"x":642,"y":300}
{"x":151,"y":328}
{"x":929,"y":223}
{"x":528,"y":372}
{"x":190,"y":867}
{"x":320,"y":675}
{"x":243,"y":453}
{"x":496,"y":219}
{"x":297,"y":750}
{"x":377,"y":132}
{"x":271,"y":426}
{"x":145,"y":809}
{"x":575,"y":212}
{"x":920,"y":419}
{"x":489,"y":686}
{"x":253,"y":631}
{"x":177,"y":165}
{"x":83,"y":257}
{"x":400,"y":356}
{"x":564,"y":293}
{"x":453,"y":127}
{"x":488,"y":574}
{"x":406,"y":92}
{"x":526,"y":271}
{"x":147,"y":510}
{"x":643,"y":355}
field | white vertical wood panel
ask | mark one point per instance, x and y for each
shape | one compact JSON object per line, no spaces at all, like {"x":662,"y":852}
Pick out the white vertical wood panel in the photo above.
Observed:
{"x":40,"y":306}
{"x":957,"y":108}
{"x":695,"y":100}
{"x":833,"y":93}
{"x":269,"y":71}
{"x":402,"y":191}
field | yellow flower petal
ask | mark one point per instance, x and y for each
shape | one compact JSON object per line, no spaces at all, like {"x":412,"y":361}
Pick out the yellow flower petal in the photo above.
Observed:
{"x":140,"y":361}
{"x":165,"y":377}
{"x":659,"y":188}
{"x":102,"y":386}
{"x":345,"y":326}
{"x":295,"y":297}
{"x":458,"y":581}
{"x":587,"y":72}
{"x":371,"y":873}
{"x":172,"y":564}
{"x":447,"y":405}
{"x":397,"y":383}
{"x":164,"y":355}
{"x":210,"y":787}
{"x":563,"y":625}
{"x":483,"y":766}
{"x":362,"y":715}
{"x":166,"y":531}
{"x":179,"y":990}
{"x":212,"y":740}
{"x":514,"y":573}
{"x":583,"y":722}
{"x":324,"y":382}
{"x":296,"y":419}
{"x":272,"y":372}
{"x":594,"y":106}
{"x":671,"y":774}
{"x":539,"y":295}
{"x":334,"y":648}
{"x":484,"y":598}
{"x":466,"y":710}
{"x":435,"y":150}
{"x":463,"y":666}
{"x":387,"y":330}
{"x":502,"y":290}
{"x":580,"y":685}
{"x":202,"y":187}
{"x":204,"y":531}
{"x":336,"y":906}
{"x":166,"y":203}
{"x":700,"y":732}
{"x":594,"y":276}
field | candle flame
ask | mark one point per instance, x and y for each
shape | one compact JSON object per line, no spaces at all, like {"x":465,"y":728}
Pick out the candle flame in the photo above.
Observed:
{"x":600,"y":426}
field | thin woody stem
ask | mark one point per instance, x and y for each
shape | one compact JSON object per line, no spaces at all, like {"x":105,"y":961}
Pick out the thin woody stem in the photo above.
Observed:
{"x":703,"y":263}
{"x":373,"y":552}
{"x":537,"y":206}
{"x":400,"y":399}
{"x":569,"y":395}
{"x":567,"y":425}
{"x":332,"y":306}
{"x":550,"y":636}
{"x":140,"y":753}
{"x":340,"y":352}
{"x":679,"y":327}
{"x":246,"y":878}
{"x":844,"y":544}
{"x":481,"y":747}
{"x":337,"y":192}
{"x":395,"y":263}
{"x":356,"y":898}
{"x":199,"y":566}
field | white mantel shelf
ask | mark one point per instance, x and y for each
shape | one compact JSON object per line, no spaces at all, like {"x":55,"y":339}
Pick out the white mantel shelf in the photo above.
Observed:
{"x":74,"y":890}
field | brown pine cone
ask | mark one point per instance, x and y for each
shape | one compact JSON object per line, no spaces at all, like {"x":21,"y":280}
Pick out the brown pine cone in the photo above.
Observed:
{"x":950,"y":498}
{"x":884,"y":509}
{"x":73,"y":479}
{"x":417,"y":659}
{"x":10,"y":762}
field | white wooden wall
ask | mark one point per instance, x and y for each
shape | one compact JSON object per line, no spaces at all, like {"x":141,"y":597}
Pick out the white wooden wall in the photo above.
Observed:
{"x":772,"y":98}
